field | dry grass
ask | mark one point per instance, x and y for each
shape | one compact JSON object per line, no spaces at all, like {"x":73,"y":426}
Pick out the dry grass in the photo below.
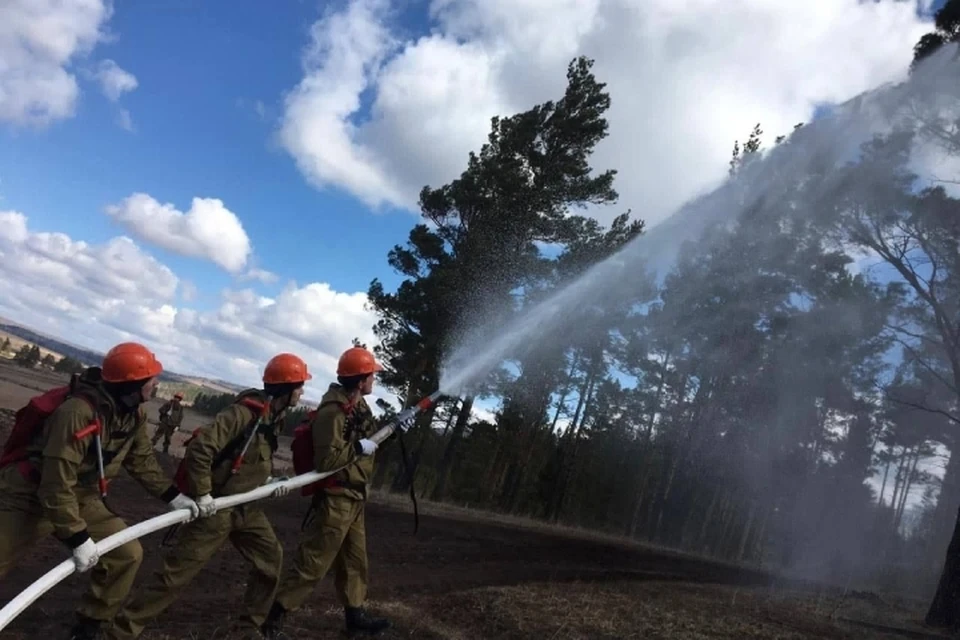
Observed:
{"x":401,"y":502}
{"x":609,"y":610}
{"x":616,"y":609}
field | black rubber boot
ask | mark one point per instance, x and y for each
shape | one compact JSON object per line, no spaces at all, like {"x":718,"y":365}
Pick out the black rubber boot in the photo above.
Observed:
{"x":272,"y":627}
{"x":85,"y":629}
{"x":359,"y":621}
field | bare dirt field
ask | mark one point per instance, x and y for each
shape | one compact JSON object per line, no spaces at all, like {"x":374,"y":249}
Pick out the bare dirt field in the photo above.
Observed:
{"x":468,"y":575}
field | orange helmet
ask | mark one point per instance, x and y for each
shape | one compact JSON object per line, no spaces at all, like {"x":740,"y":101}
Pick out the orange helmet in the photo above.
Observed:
{"x":178,"y":395}
{"x":129,"y":362}
{"x":357,"y":361}
{"x":286,"y":368}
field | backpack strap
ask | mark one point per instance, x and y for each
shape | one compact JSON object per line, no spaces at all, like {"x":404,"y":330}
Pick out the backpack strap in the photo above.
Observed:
{"x":349,"y":409}
{"x":243,"y":440}
{"x":95,"y":429}
{"x":254,"y":405}
{"x":93,"y":402}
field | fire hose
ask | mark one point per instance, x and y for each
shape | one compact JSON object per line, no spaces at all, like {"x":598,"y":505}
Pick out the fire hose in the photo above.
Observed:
{"x":60,"y":572}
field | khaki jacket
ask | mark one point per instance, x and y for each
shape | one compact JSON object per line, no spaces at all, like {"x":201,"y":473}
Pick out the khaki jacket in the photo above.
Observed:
{"x":225,"y":439}
{"x":335,"y":432}
{"x":68,"y":467}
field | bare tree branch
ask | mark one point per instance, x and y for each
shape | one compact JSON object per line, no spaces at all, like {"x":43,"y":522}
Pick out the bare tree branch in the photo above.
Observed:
{"x":920,"y":407}
{"x":929,"y":368}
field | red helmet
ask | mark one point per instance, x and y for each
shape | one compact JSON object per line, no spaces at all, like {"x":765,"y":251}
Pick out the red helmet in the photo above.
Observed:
{"x":129,"y":362}
{"x":357,"y":361}
{"x":286,"y":368}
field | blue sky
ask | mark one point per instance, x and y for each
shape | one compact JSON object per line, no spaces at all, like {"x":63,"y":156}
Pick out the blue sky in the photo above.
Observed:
{"x":198,"y":133}
{"x":316,"y":124}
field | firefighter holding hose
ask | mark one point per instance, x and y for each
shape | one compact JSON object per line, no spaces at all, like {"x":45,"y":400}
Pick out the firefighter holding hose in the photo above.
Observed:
{"x":337,"y":536}
{"x":65,"y":447}
{"x":234,"y":455}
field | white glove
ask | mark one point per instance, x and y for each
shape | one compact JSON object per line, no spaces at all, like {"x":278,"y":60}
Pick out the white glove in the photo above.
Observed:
{"x":185,"y":502}
{"x":280,"y":491}
{"x":366,"y":447}
{"x":406,"y":424}
{"x":86,"y":556}
{"x":206,"y":505}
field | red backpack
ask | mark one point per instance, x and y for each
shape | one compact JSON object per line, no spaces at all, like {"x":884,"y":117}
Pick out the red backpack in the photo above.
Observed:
{"x":236,"y":447}
{"x":30,"y":418}
{"x":302,"y":449}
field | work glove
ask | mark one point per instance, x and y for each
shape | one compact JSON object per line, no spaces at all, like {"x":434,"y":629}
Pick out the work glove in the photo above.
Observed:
{"x":405,"y":425}
{"x":280,"y":491}
{"x":365,"y":447}
{"x":206,"y":505}
{"x":86,"y":555}
{"x":185,"y":502}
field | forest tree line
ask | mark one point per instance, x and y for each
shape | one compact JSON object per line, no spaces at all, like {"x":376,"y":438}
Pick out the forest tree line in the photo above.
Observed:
{"x":29,"y":356}
{"x":777,"y":397}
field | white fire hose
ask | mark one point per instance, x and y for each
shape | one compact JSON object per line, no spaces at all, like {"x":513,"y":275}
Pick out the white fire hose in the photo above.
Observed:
{"x":60,"y":572}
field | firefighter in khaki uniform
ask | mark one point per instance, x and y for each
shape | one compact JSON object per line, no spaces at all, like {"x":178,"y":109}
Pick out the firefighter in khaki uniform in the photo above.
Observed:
{"x":171,"y":416}
{"x":337,"y":536}
{"x":54,"y":488}
{"x":208,"y":463}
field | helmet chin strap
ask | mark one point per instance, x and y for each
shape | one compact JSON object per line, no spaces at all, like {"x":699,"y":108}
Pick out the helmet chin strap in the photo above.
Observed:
{"x":131,"y":401}
{"x":128,"y":396}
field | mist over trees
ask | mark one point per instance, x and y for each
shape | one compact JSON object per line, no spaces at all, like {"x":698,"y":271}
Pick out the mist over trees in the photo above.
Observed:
{"x":781,"y":396}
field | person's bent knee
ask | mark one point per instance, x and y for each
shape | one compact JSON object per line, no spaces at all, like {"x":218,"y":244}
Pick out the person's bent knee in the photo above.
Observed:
{"x":127,"y":554}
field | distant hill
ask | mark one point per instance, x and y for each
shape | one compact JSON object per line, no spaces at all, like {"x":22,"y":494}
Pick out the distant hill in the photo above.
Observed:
{"x":85,"y":356}
{"x":90,"y":358}
{"x":215,"y":385}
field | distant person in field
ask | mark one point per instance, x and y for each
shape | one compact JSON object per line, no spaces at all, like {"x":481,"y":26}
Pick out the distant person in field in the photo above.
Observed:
{"x":171,"y":417}
{"x":336,"y":538}
{"x":53,"y":483}
{"x":245,"y":431}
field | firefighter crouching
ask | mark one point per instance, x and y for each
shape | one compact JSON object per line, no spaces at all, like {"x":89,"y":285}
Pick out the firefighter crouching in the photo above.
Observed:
{"x":337,"y":538}
{"x":215,"y":464}
{"x":54,"y":484}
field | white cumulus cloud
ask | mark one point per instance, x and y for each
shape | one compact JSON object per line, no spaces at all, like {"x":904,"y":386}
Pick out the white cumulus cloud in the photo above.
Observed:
{"x":685,"y":78}
{"x":46,"y":271}
{"x":98,"y":295}
{"x":345,"y":51}
{"x":114,"y":81}
{"x":39,"y":40}
{"x":208,"y":230}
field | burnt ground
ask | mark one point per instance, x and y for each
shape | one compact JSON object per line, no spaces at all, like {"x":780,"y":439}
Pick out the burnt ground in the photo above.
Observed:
{"x":470,"y":575}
